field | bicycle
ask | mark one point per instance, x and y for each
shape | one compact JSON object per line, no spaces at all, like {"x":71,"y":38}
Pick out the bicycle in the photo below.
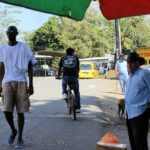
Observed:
{"x":70,"y":100}
{"x":71,"y":104}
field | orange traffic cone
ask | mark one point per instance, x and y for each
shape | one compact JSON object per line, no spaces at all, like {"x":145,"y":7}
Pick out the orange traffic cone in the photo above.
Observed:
{"x":109,"y":137}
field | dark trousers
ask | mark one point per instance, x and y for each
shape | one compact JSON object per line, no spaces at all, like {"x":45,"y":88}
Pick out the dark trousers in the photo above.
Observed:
{"x":138,"y":131}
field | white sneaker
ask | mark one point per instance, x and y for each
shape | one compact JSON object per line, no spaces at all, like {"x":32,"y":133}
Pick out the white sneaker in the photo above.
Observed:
{"x":78,"y":110}
{"x":64,"y":96}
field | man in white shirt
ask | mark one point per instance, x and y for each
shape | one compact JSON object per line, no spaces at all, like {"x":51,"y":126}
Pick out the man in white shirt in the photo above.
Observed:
{"x":16,"y":59}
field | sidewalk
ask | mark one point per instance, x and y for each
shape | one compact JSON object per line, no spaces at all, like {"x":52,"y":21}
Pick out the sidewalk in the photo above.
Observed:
{"x":108,"y":103}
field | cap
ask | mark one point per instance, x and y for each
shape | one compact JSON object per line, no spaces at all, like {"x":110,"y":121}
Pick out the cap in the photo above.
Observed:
{"x":132,"y":57}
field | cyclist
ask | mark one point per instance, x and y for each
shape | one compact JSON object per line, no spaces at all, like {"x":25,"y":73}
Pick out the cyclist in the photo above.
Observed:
{"x":69,"y":65}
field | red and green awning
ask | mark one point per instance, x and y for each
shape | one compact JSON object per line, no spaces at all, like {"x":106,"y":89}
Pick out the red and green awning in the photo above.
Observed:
{"x":113,"y":9}
{"x":74,"y":9}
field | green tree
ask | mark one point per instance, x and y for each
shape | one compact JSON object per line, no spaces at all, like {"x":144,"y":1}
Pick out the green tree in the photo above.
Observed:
{"x":90,"y":38}
{"x":27,"y":38}
{"x":47,"y":36}
{"x":135,"y":32}
{"x":55,"y":62}
{"x":6,"y":19}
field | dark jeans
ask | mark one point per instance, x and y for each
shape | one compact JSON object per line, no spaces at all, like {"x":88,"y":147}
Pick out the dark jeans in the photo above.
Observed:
{"x":66,"y":79}
{"x":138,"y":131}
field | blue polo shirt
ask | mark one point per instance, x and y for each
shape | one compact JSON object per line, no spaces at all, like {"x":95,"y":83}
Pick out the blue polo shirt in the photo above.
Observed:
{"x":137,"y":94}
{"x":122,"y":67}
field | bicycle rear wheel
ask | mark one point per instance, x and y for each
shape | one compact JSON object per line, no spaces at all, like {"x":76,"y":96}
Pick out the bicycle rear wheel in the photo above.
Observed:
{"x":73,"y":108}
{"x":68,"y":103}
{"x":69,"y":106}
{"x":69,"y":110}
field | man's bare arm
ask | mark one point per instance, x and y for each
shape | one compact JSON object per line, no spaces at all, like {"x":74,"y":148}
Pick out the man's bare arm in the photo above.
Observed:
{"x":59,"y":72}
{"x":116,"y":72}
{"x":2,"y":71}
{"x":30,"y":75}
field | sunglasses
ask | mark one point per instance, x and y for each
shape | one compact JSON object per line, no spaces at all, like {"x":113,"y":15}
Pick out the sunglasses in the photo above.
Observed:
{"x":9,"y":31}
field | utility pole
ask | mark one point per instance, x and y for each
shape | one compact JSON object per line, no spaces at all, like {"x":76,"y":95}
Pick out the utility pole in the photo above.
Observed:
{"x":117,"y":48}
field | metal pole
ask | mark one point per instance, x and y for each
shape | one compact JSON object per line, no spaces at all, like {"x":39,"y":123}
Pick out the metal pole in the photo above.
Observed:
{"x":117,"y":40}
{"x":45,"y":66}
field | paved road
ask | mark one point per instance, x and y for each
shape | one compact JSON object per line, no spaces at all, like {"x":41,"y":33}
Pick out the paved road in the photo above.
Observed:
{"x":49,"y":127}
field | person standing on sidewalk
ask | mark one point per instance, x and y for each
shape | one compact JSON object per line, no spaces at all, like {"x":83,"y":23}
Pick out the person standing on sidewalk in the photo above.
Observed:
{"x":137,"y":102}
{"x":69,"y":65}
{"x":121,"y":72}
{"x":16,"y":59}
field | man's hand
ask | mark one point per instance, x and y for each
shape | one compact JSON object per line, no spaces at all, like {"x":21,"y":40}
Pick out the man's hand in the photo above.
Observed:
{"x":30,"y":90}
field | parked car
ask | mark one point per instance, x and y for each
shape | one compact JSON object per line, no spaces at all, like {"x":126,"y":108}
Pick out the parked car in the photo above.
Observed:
{"x":39,"y":71}
{"x":88,"y":70}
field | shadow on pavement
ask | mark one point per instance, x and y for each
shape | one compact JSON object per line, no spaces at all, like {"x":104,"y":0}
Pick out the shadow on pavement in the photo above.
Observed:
{"x":48,"y":126}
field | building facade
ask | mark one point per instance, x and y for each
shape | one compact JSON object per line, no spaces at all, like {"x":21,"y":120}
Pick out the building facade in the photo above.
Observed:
{"x":144,"y":52}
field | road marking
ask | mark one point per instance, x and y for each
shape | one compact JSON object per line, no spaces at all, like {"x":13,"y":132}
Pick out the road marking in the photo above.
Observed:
{"x":64,"y":116}
{"x":78,"y":116}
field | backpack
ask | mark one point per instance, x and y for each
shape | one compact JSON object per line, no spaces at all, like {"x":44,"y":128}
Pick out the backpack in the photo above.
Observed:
{"x":69,"y":62}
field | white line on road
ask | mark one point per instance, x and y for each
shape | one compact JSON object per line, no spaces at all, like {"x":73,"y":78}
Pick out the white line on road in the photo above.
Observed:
{"x":78,"y":115}
{"x":59,"y":116}
{"x":64,"y":116}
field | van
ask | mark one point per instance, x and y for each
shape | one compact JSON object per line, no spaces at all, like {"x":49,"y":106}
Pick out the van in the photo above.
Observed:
{"x":88,"y":70}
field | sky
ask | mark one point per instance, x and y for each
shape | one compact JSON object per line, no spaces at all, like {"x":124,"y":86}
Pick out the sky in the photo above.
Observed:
{"x":29,"y":19}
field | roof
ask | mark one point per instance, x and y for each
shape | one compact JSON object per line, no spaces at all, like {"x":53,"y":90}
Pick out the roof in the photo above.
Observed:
{"x":49,"y":53}
{"x":43,"y":56}
{"x":96,"y":58}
